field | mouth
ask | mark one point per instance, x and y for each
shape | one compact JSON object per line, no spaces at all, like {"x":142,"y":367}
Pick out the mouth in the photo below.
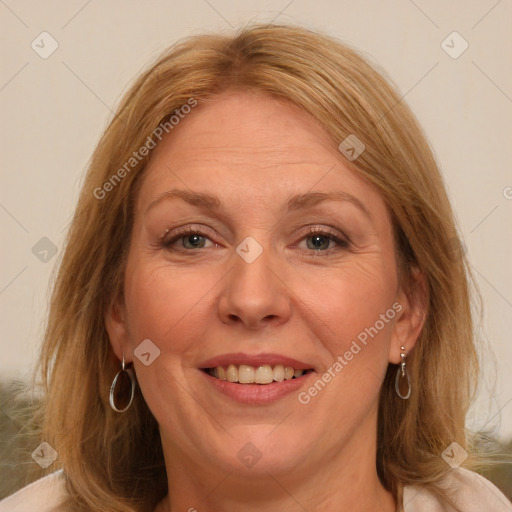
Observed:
{"x":256,"y":379}
{"x":263,"y":375}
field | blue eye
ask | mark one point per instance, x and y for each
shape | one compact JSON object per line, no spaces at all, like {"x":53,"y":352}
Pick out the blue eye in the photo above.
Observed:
{"x":318,"y":240}
{"x":195,"y":241}
{"x":190,"y":239}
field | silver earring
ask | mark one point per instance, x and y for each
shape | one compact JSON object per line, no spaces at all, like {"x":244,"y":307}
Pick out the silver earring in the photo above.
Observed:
{"x":402,"y":374}
{"x":129,"y":372}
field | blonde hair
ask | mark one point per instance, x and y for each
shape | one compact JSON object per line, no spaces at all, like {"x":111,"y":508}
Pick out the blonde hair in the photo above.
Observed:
{"x":114,"y":462}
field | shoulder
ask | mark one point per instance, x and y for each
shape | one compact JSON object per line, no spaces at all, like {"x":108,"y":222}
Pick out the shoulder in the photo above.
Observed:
{"x":471,"y":493}
{"x":41,"y":495}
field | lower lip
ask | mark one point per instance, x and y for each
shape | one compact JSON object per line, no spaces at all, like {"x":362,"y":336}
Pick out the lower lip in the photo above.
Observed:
{"x":257,"y":394}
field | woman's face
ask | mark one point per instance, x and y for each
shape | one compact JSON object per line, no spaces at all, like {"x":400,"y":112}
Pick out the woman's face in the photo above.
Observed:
{"x":254,"y":245}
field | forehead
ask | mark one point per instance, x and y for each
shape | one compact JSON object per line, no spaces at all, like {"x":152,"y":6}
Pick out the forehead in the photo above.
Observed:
{"x":244,"y":141}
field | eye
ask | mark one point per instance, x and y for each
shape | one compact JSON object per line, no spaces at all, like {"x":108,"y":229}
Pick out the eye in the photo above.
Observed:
{"x":324,"y":240}
{"x":317,"y":239}
{"x":194,"y":241}
{"x":186,"y":239}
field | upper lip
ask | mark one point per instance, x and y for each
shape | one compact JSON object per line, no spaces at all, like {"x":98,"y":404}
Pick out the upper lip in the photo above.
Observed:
{"x":254,"y":360}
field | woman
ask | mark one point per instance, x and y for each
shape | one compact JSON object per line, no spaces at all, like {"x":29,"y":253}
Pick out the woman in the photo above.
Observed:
{"x":259,"y":306}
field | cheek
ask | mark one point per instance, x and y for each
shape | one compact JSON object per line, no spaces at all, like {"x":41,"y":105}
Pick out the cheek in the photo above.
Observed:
{"x":354,"y":307}
{"x":161,"y":300}
{"x":168,"y":307}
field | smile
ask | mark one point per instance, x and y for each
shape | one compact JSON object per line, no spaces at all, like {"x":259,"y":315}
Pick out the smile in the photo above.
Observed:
{"x":247,"y":374}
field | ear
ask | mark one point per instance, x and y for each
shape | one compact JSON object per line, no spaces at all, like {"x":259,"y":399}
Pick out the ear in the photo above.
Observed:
{"x":412,"y":303}
{"x":117,"y":329}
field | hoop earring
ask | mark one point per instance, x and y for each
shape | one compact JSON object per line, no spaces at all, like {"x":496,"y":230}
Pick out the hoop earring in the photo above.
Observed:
{"x":401,"y":374}
{"x":131,"y":375}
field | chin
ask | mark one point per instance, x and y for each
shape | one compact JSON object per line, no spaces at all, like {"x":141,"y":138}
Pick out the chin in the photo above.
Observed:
{"x":264,"y":449}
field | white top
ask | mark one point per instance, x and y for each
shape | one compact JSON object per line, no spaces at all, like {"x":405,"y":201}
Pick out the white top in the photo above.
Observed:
{"x":474,"y":494}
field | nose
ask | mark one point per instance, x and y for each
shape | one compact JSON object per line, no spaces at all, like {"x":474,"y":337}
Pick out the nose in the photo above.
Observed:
{"x":255,"y":294}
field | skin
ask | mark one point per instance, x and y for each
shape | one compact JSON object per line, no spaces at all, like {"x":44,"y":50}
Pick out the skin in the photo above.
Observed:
{"x":254,"y":152}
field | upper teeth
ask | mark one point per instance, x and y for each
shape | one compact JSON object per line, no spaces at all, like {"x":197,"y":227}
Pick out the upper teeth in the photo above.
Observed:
{"x":245,"y":374}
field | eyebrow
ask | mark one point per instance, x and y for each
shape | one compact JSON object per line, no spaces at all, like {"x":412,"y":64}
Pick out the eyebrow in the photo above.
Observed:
{"x":294,"y":203}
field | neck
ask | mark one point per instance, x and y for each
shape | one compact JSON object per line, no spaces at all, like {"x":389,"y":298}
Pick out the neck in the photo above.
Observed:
{"x":345,"y":481}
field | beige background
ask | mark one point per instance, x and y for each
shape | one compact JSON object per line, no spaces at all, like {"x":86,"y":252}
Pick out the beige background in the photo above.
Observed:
{"x":54,"y":110}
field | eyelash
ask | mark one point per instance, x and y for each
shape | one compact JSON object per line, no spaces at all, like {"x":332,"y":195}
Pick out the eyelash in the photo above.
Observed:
{"x":324,"y":232}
